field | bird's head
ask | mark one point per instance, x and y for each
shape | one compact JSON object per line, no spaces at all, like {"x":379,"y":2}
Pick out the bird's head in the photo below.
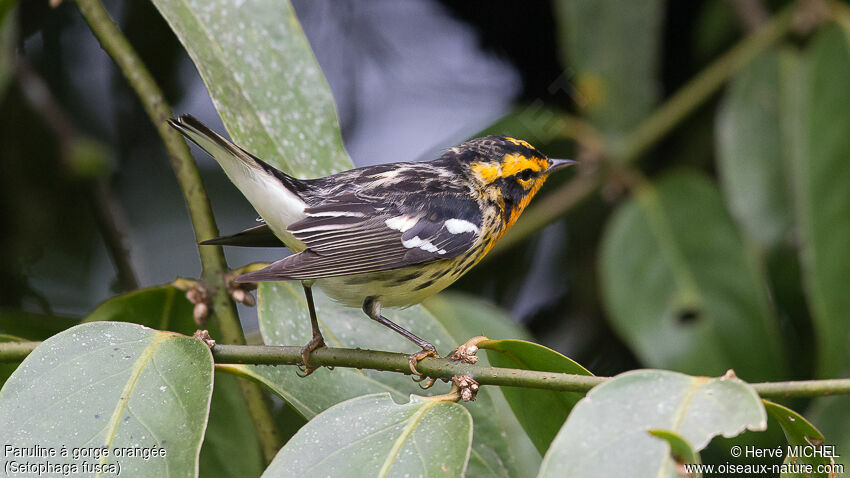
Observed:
{"x":509,"y":170}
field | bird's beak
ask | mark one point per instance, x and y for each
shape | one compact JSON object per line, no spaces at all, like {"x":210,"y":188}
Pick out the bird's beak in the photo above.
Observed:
{"x":555,"y":164}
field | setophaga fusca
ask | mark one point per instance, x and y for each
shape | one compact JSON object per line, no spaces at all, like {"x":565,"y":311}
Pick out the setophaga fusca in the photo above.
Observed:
{"x":386,"y":235}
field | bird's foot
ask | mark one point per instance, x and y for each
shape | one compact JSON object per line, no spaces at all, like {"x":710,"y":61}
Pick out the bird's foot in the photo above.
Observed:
{"x":466,"y":352}
{"x":414,"y":359}
{"x":316,"y":342}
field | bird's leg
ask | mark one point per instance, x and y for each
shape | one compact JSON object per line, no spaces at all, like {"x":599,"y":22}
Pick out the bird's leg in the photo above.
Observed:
{"x":317,"y":341}
{"x":372,"y":308}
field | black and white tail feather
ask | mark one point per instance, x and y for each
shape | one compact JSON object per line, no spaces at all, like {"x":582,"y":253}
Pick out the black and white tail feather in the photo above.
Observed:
{"x":337,"y":231}
{"x":275,"y":195}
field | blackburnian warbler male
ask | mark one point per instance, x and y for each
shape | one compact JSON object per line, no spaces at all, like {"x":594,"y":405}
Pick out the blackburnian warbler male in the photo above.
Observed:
{"x":387,"y":235}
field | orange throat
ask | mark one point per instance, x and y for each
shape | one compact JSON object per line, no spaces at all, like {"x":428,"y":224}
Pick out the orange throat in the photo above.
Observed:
{"x":514,"y":216}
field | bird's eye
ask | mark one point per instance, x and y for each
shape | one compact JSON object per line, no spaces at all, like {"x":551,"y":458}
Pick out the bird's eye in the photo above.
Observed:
{"x":525,"y":174}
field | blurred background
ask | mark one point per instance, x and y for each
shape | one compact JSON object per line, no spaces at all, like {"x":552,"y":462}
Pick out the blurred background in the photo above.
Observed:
{"x":410,"y":80}
{"x":707,"y":228}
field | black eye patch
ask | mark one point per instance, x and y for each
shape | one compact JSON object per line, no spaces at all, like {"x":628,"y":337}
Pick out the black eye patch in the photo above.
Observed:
{"x":525,"y":174}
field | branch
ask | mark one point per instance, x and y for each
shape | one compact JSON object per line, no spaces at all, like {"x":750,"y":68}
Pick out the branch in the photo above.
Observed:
{"x":700,"y":89}
{"x":16,"y":351}
{"x":443,"y":368}
{"x":212,"y":257}
{"x":398,"y":362}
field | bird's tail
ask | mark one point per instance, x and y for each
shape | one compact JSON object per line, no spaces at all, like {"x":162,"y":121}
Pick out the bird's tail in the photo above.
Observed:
{"x":224,"y":151}
{"x":275,"y":195}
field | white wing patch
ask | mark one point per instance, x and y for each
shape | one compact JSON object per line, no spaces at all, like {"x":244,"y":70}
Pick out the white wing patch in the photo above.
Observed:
{"x":459,"y":226}
{"x":422,"y":244}
{"x":401,"y":223}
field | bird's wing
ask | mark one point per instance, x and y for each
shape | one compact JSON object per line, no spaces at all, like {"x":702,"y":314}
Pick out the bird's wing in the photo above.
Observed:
{"x":355,"y":236}
{"x":257,"y":236}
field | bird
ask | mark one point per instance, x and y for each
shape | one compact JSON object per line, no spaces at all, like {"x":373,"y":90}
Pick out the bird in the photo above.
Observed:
{"x":388,"y":235}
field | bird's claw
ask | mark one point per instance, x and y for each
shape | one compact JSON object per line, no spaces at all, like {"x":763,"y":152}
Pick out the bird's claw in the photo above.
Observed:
{"x":304,"y":367}
{"x":415,"y":358}
{"x":303,"y":371}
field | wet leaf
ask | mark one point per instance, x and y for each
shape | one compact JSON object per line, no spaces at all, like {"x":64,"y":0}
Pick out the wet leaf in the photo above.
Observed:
{"x":264,"y":81}
{"x":607,"y":433}
{"x":500,"y":447}
{"x":112,"y":385}
{"x":378,"y":437}
{"x":230,"y":443}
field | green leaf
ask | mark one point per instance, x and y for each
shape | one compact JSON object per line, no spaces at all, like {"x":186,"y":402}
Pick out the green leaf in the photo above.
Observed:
{"x":800,"y":433}
{"x":162,"y":307}
{"x":821,"y":175}
{"x":614,"y":74}
{"x":465,"y":316}
{"x":17,"y":325}
{"x":831,"y":417}
{"x":714,"y":30}
{"x":797,"y":429}
{"x":230,"y":443}
{"x":500,"y":447}
{"x":680,"y":449}
{"x":682,"y":289}
{"x":377,"y":437}
{"x":111,"y":385}
{"x":264,"y":81}
{"x":751,"y":155}
{"x":31,"y":326}
{"x":541,"y":412}
{"x":607,"y":433}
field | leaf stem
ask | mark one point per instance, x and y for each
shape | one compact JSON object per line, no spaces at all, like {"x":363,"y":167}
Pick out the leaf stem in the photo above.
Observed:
{"x":699,"y":89}
{"x":212,"y":257}
{"x":442,"y":368}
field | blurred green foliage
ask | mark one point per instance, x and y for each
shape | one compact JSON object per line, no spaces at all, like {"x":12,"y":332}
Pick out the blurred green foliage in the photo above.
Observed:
{"x":724,"y":247}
